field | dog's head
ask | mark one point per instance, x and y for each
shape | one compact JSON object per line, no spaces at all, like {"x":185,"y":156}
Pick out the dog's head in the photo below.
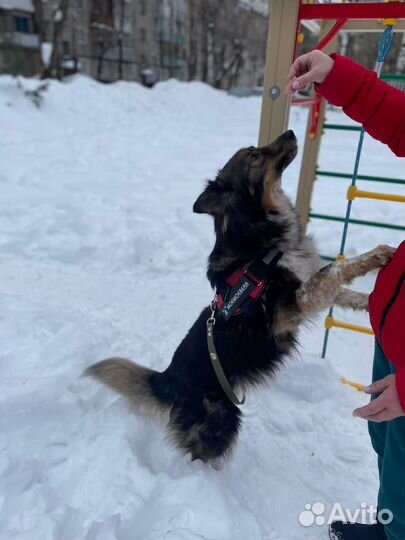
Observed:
{"x":248,"y":188}
{"x":251,"y":180}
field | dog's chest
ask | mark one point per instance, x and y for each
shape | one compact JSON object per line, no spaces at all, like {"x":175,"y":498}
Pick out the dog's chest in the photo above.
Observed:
{"x":304,"y":263}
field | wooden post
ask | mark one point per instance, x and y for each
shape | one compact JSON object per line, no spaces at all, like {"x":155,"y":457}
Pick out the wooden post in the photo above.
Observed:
{"x":312,"y":145}
{"x":279,"y":56}
{"x":308,"y":167}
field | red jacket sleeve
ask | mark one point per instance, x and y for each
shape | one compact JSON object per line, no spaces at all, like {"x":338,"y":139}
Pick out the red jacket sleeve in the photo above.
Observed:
{"x":368,"y":100}
{"x":387,"y":315}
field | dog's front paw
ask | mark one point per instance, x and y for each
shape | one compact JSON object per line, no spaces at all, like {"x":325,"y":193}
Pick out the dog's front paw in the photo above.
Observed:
{"x":362,"y":264}
{"x":382,"y":254}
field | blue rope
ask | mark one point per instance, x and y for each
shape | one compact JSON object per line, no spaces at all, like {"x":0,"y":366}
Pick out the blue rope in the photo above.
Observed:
{"x":383,"y":49}
{"x":385,"y":44}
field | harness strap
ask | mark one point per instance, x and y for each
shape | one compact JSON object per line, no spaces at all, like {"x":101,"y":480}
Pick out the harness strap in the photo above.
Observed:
{"x":243,"y":288}
{"x":223,"y":381}
{"x":260,"y":269}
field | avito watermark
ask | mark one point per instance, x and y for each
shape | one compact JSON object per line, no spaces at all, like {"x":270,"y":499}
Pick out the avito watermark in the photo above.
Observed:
{"x":316,"y":514}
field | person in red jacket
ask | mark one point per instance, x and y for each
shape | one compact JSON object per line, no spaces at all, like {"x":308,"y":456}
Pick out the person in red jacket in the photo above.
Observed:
{"x":381,"y":110}
{"x":364,"y":97}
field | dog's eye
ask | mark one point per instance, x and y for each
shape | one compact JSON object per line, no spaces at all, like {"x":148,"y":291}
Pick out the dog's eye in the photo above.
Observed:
{"x":254,"y":155}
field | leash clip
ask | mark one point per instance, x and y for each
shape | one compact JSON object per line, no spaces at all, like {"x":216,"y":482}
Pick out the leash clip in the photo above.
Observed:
{"x":213,"y":306}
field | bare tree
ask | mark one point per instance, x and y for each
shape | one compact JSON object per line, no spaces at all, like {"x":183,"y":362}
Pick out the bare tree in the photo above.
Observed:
{"x":53,"y":69}
{"x":194,"y":35}
{"x":39,"y":26}
{"x":226,"y":39}
{"x":120,"y":38}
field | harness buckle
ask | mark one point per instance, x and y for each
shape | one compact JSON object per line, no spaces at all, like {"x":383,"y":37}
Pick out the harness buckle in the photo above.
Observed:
{"x":252,"y":278}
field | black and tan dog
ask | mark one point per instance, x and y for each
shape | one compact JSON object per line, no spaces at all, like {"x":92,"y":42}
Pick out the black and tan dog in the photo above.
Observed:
{"x":252,"y":215}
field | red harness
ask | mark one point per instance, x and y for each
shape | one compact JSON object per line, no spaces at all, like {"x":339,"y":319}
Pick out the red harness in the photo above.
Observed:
{"x":242,"y":287}
{"x":234,"y":278}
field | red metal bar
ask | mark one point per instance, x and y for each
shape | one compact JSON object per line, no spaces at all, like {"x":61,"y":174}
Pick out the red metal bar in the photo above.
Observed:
{"x":333,"y":32}
{"x":297,"y":44}
{"x":304,"y":101}
{"x":314,"y":115}
{"x":370,"y":11}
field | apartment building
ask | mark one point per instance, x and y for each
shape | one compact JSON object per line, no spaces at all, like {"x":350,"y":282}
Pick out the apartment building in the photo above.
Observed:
{"x":19,"y":43}
{"x":122,"y":39}
{"x":222,"y":43}
{"x":97,"y":38}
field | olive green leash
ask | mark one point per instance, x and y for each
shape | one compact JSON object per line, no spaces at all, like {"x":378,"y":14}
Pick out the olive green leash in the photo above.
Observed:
{"x":216,"y":364}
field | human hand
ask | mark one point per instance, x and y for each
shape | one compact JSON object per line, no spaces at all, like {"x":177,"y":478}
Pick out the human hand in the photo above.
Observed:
{"x":314,"y":66}
{"x":387,"y":406}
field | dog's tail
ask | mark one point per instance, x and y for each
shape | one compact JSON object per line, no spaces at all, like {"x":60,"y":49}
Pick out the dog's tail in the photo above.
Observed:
{"x":140,"y":385}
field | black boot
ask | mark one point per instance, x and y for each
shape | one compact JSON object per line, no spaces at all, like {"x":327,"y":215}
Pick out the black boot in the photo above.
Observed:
{"x":356,"y":531}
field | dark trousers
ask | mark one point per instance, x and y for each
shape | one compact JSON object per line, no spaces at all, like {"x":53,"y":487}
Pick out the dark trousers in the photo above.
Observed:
{"x":388,"y":440}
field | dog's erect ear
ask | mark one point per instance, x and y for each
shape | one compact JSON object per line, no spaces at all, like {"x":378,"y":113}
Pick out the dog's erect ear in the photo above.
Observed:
{"x":210,"y":201}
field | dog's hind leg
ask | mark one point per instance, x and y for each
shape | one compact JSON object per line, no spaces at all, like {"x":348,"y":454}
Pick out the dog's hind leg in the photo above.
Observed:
{"x":352,"y":299}
{"x":320,"y":292}
{"x":206,"y":426}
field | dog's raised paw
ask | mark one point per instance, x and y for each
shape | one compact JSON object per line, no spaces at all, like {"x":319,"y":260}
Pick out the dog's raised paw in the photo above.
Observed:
{"x":383,"y":254}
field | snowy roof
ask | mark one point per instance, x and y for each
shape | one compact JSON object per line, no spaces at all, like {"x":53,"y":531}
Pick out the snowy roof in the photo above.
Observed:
{"x":23,"y":5}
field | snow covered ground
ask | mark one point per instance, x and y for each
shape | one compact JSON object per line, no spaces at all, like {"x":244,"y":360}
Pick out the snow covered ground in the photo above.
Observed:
{"x":101,"y":254}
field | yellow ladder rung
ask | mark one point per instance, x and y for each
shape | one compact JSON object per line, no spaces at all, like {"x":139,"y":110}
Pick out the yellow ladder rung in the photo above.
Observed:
{"x":357,"y":386}
{"x":331,"y":322}
{"x":353,"y":193}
